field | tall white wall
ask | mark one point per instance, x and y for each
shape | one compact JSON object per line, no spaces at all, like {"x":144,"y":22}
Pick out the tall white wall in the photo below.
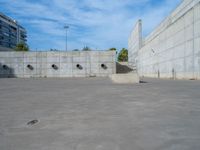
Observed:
{"x":57,"y":64}
{"x":172,"y":50}
{"x":135,"y":43}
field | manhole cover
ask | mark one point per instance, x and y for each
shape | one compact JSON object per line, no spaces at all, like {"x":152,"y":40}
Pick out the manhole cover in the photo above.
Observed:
{"x":32,"y":122}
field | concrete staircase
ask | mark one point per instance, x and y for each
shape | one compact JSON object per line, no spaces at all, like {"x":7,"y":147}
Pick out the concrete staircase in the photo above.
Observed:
{"x":124,"y":68}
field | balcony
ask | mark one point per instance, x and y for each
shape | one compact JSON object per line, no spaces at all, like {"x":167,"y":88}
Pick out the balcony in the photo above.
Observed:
{"x":13,"y":28}
{"x":23,"y":40}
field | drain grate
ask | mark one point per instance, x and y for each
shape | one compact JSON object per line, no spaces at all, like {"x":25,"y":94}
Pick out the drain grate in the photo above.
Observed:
{"x":32,"y":122}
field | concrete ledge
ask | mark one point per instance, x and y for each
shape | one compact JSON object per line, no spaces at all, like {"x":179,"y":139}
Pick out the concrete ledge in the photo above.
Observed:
{"x":130,"y":78}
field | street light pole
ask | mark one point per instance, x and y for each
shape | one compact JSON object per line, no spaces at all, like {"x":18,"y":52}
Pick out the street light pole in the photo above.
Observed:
{"x":66,"y":28}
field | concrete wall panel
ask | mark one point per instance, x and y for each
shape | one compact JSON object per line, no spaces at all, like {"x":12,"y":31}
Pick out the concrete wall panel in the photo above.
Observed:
{"x":173,"y":48}
{"x":197,"y":29}
{"x":57,"y":64}
{"x":135,"y":43}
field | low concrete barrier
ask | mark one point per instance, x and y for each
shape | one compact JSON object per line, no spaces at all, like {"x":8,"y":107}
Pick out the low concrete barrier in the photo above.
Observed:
{"x":130,"y":78}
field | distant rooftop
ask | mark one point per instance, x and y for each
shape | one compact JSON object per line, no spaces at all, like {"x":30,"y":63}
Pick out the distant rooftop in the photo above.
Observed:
{"x":8,"y":18}
{"x":11,"y":21}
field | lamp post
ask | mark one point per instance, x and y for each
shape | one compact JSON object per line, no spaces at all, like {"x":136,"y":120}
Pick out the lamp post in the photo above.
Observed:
{"x":66,"y":28}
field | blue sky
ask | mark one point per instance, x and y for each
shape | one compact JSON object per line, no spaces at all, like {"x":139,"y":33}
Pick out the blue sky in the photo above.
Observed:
{"x":99,"y":24}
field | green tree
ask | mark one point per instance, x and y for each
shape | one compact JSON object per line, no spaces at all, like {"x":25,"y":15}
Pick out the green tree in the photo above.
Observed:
{"x":112,"y":49}
{"x":86,"y":48}
{"x":123,"y":55}
{"x":22,"y":47}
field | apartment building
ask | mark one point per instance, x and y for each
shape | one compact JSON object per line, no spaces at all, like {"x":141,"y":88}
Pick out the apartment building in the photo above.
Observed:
{"x":11,"y":33}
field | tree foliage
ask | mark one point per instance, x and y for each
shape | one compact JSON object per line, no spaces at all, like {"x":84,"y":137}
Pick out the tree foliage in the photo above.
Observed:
{"x":112,"y":49}
{"x":22,"y":47}
{"x":86,"y":48}
{"x":123,"y":55}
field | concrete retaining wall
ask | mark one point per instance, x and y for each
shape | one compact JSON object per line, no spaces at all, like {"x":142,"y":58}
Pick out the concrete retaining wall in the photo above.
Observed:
{"x":57,"y":64}
{"x":172,"y":50}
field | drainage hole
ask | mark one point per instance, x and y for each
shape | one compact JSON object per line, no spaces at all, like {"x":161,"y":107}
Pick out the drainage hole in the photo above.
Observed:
{"x":32,"y":122}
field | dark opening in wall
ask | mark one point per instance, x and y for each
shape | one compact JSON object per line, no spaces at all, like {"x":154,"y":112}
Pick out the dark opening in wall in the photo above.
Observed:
{"x":54,"y":67}
{"x":79,"y":66}
{"x":30,"y":67}
{"x":5,"y":67}
{"x":104,"y":66}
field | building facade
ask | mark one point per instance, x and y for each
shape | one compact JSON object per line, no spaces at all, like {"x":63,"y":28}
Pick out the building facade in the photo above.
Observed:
{"x":172,"y":50}
{"x":11,"y":33}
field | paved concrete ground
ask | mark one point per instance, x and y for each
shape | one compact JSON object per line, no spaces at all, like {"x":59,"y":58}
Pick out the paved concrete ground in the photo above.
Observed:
{"x":94,"y":114}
